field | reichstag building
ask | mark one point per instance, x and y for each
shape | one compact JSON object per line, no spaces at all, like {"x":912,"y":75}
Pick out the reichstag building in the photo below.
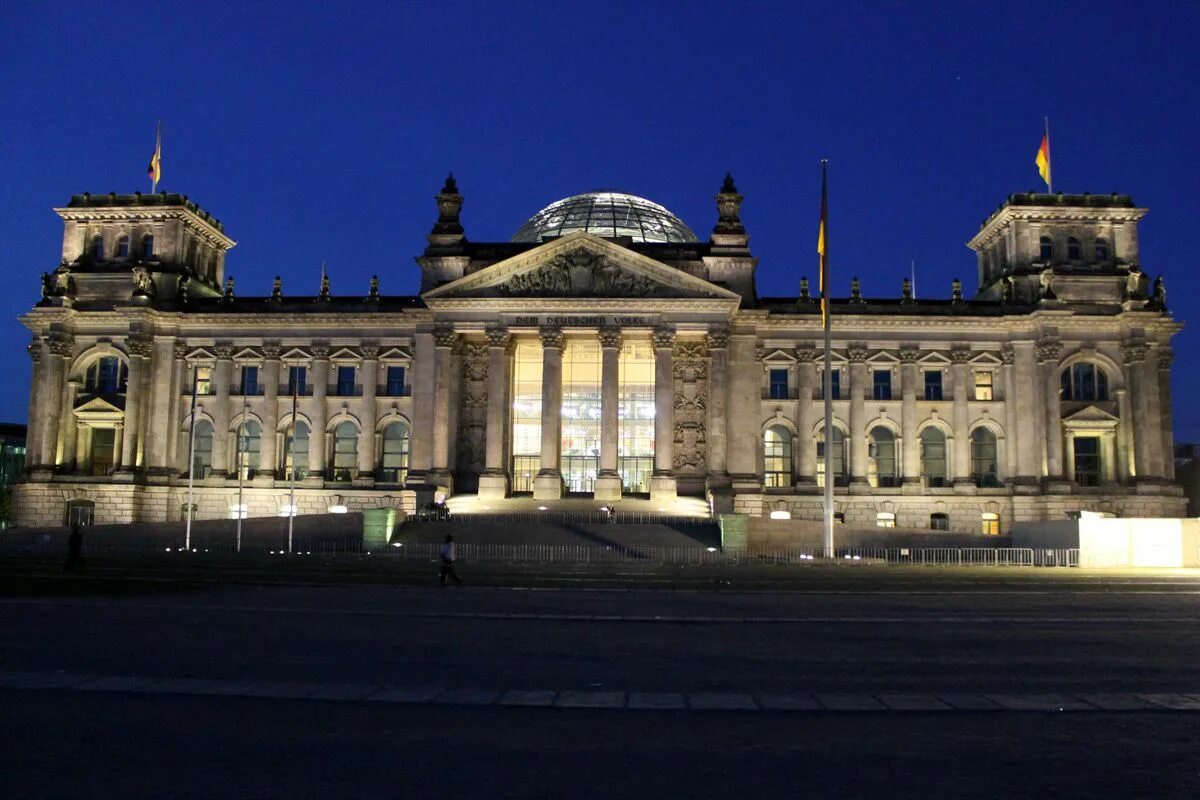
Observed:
{"x":604,"y":352}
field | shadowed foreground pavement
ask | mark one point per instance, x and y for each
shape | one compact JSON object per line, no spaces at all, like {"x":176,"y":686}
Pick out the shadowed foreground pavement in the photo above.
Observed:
{"x":881,"y":639}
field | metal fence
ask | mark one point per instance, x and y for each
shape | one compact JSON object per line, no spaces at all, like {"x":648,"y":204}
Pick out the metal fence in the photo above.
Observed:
{"x":565,"y":518}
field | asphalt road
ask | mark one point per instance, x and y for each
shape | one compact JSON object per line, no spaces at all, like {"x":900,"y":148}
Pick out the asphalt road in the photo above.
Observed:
{"x":876,"y":640}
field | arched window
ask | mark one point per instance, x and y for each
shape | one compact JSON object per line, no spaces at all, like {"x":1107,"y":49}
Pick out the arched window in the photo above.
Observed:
{"x":295,"y":452}
{"x":148,"y":247}
{"x":98,"y":247}
{"x":107,"y":375}
{"x":939,"y":521}
{"x":881,"y":465}
{"x":202,"y":454}
{"x":249,"y":446}
{"x":837,"y":458}
{"x":989,"y":523}
{"x":777,"y":457}
{"x":393,"y":467}
{"x":1046,"y":245}
{"x":345,"y":451}
{"x":1073,"y":249}
{"x":983,"y":458}
{"x":1085,"y":382}
{"x":933,"y":457}
{"x":1102,"y":249}
{"x":123,"y":246}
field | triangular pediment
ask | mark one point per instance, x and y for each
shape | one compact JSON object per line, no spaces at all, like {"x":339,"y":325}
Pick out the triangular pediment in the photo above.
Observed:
{"x":100,"y":407}
{"x":396,"y":354}
{"x":1091,"y":414}
{"x":580,"y":265}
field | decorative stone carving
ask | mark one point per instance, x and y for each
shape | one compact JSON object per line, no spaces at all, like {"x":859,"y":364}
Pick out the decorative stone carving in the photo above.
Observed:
{"x":225,"y":351}
{"x":472,"y":415}
{"x":475,"y":361}
{"x":143,"y":284}
{"x":856,"y":354}
{"x":140,"y":346}
{"x":718,"y":339}
{"x":34,"y":348}
{"x":373,"y":289}
{"x":444,"y":337}
{"x":909,"y":354}
{"x":271,"y":350}
{"x":1134,"y":352}
{"x":581,"y":273}
{"x":551,"y":337}
{"x":449,"y":203}
{"x":806,"y":354}
{"x":689,"y":367}
{"x":690,"y":361}
{"x":1165,"y":358}
{"x":1008,"y":356}
{"x":960,"y":354}
{"x":1048,"y":350}
{"x":663,"y":337}
{"x":610,"y":337}
{"x":60,"y":344}
{"x":369,"y":350}
{"x":180,"y":349}
{"x":729,"y":204}
{"x":319,"y":350}
{"x":498,"y":337}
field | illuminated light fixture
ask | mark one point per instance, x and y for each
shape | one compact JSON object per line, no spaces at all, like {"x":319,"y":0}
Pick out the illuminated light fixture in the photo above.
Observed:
{"x":397,"y":544}
{"x":781,"y":515}
{"x":286,"y":510}
{"x":168,"y":549}
{"x":543,"y":508}
{"x":337,"y":509}
{"x":712,"y":549}
{"x":236,"y":511}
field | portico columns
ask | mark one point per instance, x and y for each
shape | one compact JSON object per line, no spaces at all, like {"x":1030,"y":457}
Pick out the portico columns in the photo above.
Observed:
{"x":33,"y":431}
{"x":806,"y":373}
{"x":662,"y":481}
{"x":318,"y":442}
{"x":959,"y":373}
{"x":718,"y":406}
{"x":1134,"y":355}
{"x":1048,"y":353}
{"x":61,"y":348}
{"x":180,"y":385}
{"x":366,"y":442}
{"x":220,"y":412}
{"x":608,"y":479}
{"x":493,"y":483}
{"x":857,"y":356}
{"x":1009,"y":387}
{"x":910,"y":442}
{"x":443,"y":342}
{"x":139,"y":351}
{"x":548,"y":484}
{"x":1165,"y":416}
{"x":68,"y":439}
{"x":267,"y":460}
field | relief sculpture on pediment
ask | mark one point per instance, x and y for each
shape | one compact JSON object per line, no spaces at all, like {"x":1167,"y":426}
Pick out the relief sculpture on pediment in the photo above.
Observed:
{"x":581,"y":273}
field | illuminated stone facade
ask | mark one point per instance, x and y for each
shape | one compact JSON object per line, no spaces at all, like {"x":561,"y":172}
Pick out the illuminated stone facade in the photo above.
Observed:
{"x":607,"y":354}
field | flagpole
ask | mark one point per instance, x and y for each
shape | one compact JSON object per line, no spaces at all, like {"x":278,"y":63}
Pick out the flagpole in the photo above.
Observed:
{"x":1049,"y":162}
{"x":828,"y":377}
{"x":292,"y":472}
{"x":187,"y":536}
{"x":913,"y":285}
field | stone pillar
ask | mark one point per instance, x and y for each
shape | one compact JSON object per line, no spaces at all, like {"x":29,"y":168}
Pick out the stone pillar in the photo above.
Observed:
{"x":162,"y":399}
{"x":493,"y":483}
{"x":1150,"y":432}
{"x":608,"y":479}
{"x":857,"y":356}
{"x":960,"y":376}
{"x":1165,"y":415}
{"x":1069,"y":436}
{"x":67,"y":435}
{"x":178,"y":407}
{"x":81,"y":450}
{"x":420,"y":457}
{"x":318,"y":438}
{"x":1031,"y":451}
{"x":662,"y":481}
{"x":1047,"y":354}
{"x":33,"y":428}
{"x":1108,"y":456}
{"x":548,"y":484}
{"x":61,"y":347}
{"x":744,"y":414}
{"x":806,"y":452}
{"x":444,"y":341}
{"x":369,"y":375}
{"x":1011,"y":423}
{"x":1124,"y":436}
{"x":268,"y":460}
{"x":220,"y":411}
{"x":1134,"y":356}
{"x":910,"y":442}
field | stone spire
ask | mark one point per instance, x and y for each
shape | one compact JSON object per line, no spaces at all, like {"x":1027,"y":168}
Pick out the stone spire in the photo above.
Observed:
{"x":729,"y":231}
{"x":447,"y":234}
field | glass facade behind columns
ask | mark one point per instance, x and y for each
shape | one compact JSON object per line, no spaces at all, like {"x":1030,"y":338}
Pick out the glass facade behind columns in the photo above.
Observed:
{"x":581,"y":415}
{"x":635,"y":412}
{"x":526,"y":415}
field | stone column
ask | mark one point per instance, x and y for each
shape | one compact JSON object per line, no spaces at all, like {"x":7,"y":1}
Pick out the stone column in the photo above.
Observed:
{"x":81,"y":452}
{"x":1165,"y":415}
{"x":369,"y":375}
{"x":268,"y":451}
{"x":1031,"y":449}
{"x":744,"y":414}
{"x":662,"y":481}
{"x":608,"y":479}
{"x":160,"y":403}
{"x":1124,"y":436}
{"x":960,"y":376}
{"x":493,"y":483}
{"x":421,"y":453}
{"x":857,"y":356}
{"x":61,"y":348}
{"x":33,"y":428}
{"x":1070,"y":455}
{"x":67,"y":436}
{"x":318,"y":438}
{"x":222,"y":375}
{"x":444,"y":341}
{"x":1150,"y":433}
{"x":178,"y":407}
{"x":1048,"y":352}
{"x":1011,"y":423}
{"x":1108,"y":458}
{"x":910,"y":442}
{"x":806,"y":452}
{"x":548,"y":484}
{"x":1134,"y":356}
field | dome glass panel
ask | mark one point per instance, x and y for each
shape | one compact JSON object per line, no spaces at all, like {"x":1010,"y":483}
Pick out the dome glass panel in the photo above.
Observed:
{"x":607,"y":214}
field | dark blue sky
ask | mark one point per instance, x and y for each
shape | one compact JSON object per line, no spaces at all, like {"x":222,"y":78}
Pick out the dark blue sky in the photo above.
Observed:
{"x":322,"y":133}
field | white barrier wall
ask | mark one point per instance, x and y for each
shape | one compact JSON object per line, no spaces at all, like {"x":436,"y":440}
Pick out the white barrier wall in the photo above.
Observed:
{"x":1106,"y":542}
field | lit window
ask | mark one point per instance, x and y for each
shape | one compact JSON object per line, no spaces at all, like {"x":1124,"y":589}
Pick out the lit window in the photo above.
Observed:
{"x":1046,"y":249}
{"x":933,"y":457}
{"x":203,"y":377}
{"x":939,"y":522}
{"x":881,"y":384}
{"x":779,"y":384}
{"x":123,"y":247}
{"x":1073,"y":249}
{"x":885,"y":519}
{"x":777,"y":457}
{"x":983,"y":385}
{"x":990,"y":523}
{"x":933,"y":384}
{"x":1102,"y":250}
{"x":1085,"y":382}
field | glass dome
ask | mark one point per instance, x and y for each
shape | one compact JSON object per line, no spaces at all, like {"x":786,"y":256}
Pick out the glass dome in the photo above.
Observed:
{"x":606,"y":214}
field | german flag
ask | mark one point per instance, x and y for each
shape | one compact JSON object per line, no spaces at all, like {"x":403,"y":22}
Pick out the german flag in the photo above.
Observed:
{"x":1043,"y":159}
{"x":822,"y":244}
{"x":155,"y":168}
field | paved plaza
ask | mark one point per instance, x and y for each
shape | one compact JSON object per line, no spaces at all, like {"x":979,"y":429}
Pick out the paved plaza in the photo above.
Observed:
{"x":1036,"y":684}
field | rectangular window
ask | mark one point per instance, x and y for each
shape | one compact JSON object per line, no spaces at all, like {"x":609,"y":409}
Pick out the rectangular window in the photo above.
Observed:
{"x":779,"y":384}
{"x":204,"y":380}
{"x":395,"y":382}
{"x":526,"y":415}
{"x":297,"y":380}
{"x":835,"y":381}
{"x":933,"y":384}
{"x":939,"y":522}
{"x":983,"y":385}
{"x":881,"y":384}
{"x":989,"y":524}
{"x":249,"y":381}
{"x":345,"y":381}
{"x":1087,"y":460}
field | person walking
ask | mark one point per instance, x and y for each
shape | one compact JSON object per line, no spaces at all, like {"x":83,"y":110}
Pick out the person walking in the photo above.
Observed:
{"x":74,"y":546}
{"x":449,"y":556}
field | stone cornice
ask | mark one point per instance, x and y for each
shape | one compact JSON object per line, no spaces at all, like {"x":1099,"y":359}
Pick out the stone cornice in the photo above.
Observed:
{"x":588,"y":305}
{"x":141,"y":214}
{"x":1050,"y":214}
